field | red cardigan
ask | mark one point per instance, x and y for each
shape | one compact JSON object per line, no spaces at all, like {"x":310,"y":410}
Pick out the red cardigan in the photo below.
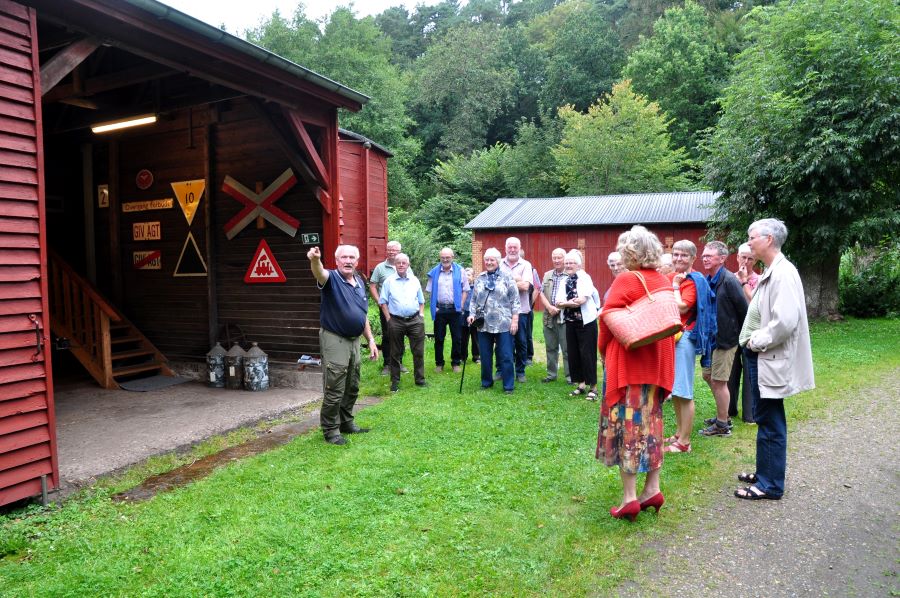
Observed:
{"x":650,"y":364}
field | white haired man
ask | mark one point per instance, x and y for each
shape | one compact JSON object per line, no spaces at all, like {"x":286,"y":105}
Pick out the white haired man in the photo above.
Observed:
{"x":382,"y":272}
{"x":344,"y":316}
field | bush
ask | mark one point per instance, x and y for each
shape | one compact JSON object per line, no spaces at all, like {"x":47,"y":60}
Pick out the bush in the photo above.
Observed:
{"x":870,"y":281}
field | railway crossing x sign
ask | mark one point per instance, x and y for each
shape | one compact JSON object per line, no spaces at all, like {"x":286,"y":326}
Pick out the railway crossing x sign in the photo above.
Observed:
{"x":261,"y":204}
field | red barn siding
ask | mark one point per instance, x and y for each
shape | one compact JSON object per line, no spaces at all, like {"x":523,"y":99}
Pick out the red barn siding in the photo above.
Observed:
{"x":27,"y":421}
{"x":595,"y":243}
{"x":363,"y":175}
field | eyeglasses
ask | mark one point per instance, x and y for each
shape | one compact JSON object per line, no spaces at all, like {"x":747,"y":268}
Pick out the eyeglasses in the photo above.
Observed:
{"x":756,"y":237}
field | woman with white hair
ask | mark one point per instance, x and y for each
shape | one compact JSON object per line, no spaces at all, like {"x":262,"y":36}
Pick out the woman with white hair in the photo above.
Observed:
{"x":580,"y":315}
{"x":777,"y":355}
{"x":495,"y":308}
{"x":749,"y":279}
{"x":637,"y":382}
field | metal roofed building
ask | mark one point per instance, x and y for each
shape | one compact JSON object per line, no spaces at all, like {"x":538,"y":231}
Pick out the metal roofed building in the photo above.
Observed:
{"x":591,"y":224}
{"x":594,"y":210}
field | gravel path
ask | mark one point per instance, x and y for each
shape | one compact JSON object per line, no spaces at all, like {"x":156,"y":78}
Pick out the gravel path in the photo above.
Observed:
{"x":835,"y":532}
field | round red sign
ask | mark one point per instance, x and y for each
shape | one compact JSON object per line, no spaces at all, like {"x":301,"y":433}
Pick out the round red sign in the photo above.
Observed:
{"x":144,"y":179}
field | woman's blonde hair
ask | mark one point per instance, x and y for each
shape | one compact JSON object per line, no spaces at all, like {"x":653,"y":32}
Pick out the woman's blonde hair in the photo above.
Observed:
{"x":639,"y":248}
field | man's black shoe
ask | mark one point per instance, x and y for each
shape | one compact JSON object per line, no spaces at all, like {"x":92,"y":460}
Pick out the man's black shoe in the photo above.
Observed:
{"x":395,"y":386}
{"x":336,"y":439}
{"x":353,"y":429}
{"x":422,"y":383}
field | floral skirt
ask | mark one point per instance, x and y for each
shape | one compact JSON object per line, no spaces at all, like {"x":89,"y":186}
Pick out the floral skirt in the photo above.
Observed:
{"x":631,"y":430}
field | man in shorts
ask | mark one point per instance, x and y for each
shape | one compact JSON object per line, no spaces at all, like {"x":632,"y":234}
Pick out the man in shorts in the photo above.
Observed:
{"x":731,"y":308}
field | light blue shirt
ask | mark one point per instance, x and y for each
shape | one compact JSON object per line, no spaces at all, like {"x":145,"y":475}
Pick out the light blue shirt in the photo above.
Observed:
{"x":403,"y":296}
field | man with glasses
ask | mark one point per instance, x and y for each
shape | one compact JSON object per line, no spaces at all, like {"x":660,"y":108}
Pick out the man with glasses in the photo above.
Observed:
{"x":403,"y":306}
{"x":730,"y":305}
{"x":749,"y":279}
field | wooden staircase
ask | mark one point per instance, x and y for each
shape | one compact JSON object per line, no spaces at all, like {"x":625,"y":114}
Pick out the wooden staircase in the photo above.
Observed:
{"x":109,"y":347}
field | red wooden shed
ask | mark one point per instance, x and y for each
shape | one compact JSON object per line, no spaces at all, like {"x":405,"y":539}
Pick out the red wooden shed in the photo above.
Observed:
{"x":591,"y":224}
{"x":364,"y":190}
{"x":134,"y":245}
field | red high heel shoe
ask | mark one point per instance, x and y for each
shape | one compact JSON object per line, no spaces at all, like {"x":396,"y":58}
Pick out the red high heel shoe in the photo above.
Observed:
{"x":654,"y":502}
{"x":629,"y":510}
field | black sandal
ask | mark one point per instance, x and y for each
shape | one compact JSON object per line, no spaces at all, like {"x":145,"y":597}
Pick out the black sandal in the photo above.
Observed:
{"x":578,"y":391}
{"x":754,"y":493}
{"x":747,"y":478}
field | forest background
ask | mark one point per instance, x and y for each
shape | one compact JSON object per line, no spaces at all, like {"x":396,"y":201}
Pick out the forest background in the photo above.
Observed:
{"x":789,"y":108}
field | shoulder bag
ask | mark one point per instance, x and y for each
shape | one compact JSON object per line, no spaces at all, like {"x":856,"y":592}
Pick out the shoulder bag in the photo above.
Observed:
{"x":647,"y":320}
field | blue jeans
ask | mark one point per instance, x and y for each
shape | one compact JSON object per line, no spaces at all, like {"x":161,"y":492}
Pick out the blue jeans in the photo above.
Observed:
{"x":771,"y":433}
{"x":486,"y":344}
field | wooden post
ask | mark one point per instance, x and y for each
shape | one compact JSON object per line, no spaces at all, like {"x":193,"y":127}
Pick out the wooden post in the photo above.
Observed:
{"x":87,"y":190}
{"x":115,"y":205}
{"x":210,"y":227}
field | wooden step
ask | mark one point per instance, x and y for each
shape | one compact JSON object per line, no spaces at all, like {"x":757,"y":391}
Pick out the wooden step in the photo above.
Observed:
{"x":119,"y":325}
{"x":125,"y":339}
{"x":132,"y":353}
{"x":135,"y":369}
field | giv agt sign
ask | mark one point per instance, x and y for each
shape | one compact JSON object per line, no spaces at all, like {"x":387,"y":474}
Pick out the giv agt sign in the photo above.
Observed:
{"x":146,"y":231}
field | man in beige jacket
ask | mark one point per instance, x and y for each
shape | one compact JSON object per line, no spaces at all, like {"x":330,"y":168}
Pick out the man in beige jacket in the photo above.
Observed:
{"x":778,"y":356}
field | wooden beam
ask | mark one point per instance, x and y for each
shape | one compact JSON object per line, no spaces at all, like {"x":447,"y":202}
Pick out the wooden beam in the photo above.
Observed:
{"x":62,"y":63}
{"x":308,"y":148}
{"x":108,"y":82}
{"x":295,"y":160}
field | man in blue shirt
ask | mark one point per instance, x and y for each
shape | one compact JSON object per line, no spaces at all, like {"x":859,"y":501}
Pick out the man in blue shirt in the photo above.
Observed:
{"x":448,"y":286}
{"x":343,"y":317}
{"x":403,"y":306}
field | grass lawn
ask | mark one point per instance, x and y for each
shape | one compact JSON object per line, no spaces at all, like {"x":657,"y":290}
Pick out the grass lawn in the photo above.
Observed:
{"x":477,"y":493}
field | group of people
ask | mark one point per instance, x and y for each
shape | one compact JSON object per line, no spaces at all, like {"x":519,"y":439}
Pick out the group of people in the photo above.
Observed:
{"x":759,"y":317}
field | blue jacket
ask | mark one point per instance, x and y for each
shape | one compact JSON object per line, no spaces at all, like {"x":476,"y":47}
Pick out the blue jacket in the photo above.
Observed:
{"x":704,"y":332}
{"x":458,"y":273}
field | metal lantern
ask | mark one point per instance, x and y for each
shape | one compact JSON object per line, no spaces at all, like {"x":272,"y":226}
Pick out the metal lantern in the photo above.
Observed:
{"x":234,"y":367}
{"x":215,"y":367}
{"x":256,"y":369}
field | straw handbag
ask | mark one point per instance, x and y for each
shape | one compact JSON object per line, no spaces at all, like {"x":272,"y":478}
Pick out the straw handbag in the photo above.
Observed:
{"x":646,"y":320}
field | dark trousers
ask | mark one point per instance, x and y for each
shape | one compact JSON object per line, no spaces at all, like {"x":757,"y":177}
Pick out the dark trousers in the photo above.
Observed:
{"x":520,"y":343}
{"x":739,"y":388}
{"x":443,"y":319}
{"x":385,"y":340}
{"x":581,"y":341}
{"x":771,"y":434}
{"x":502,"y":343}
{"x":469,"y":332}
{"x":399,"y":329}
{"x":528,"y":332}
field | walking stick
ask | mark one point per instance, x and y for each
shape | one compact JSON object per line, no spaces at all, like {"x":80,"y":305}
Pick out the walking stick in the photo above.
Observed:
{"x":463,"y":377}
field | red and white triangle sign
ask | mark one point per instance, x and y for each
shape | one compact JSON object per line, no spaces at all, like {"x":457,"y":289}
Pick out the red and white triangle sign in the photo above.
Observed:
{"x":263,"y":268}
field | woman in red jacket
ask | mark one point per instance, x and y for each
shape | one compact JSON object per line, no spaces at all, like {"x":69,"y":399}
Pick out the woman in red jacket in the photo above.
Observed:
{"x":637,"y":382}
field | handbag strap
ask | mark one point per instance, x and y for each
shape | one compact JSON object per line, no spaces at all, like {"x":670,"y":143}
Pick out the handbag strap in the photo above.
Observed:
{"x":644,"y":284}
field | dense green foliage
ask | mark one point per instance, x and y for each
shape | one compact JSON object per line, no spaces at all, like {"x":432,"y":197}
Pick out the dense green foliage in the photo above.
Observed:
{"x":683,"y":67}
{"x":472,"y":494}
{"x":810,"y":127}
{"x":621,"y":145}
{"x":789,"y":108}
{"x":870,"y":280}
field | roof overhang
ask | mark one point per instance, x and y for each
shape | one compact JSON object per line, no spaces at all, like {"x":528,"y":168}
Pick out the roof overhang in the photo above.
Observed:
{"x":179,"y":42}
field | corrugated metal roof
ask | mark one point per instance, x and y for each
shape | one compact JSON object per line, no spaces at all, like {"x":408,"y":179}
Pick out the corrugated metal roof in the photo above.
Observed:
{"x":593,"y":210}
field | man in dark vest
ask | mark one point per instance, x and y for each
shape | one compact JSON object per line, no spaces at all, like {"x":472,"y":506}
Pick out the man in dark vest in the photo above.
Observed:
{"x":343,"y":318}
{"x":731,"y":308}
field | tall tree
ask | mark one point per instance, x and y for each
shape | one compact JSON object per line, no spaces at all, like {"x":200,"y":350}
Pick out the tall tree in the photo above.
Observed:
{"x":583,"y":54}
{"x":621,"y":145}
{"x":684,"y":69}
{"x":810,"y":132}
{"x":529,"y":167}
{"x":462,"y":83}
{"x":356,"y":53}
